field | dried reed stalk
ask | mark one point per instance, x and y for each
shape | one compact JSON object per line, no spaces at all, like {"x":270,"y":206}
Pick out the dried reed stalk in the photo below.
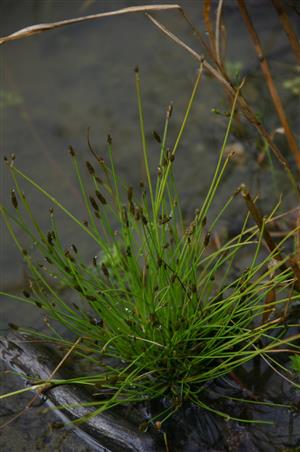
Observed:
{"x":218,"y":33}
{"x":270,"y":83}
{"x":209,"y":26}
{"x":287,"y":26}
{"x":40,"y":28}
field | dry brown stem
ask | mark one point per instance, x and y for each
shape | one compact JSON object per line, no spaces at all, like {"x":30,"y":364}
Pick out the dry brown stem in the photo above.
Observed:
{"x":40,"y":28}
{"x":218,"y":33}
{"x":287,"y":26}
{"x":270,"y":83}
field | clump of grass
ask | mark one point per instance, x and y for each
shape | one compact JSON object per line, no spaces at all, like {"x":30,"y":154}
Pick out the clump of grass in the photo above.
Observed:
{"x":173,"y":313}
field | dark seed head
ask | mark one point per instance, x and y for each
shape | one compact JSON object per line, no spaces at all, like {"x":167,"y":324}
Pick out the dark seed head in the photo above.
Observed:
{"x":137,"y":215}
{"x":144,"y":220}
{"x":50,"y":237}
{"x":13,"y":326}
{"x":100,"y":197}
{"x":14,"y":200}
{"x":69,"y":255}
{"x":90,"y":168}
{"x":93,"y":203}
{"x":156,"y":136}
{"x":90,"y":297}
{"x":71,"y":151}
{"x":136,"y":69}
{"x":109,"y":139}
{"x":74,"y":248}
{"x":206,"y":239}
{"x":170,"y":111}
{"x":171,"y":157}
{"x":38,"y":304}
{"x":105,"y":270}
{"x":26,"y":294}
{"x":94,"y":260}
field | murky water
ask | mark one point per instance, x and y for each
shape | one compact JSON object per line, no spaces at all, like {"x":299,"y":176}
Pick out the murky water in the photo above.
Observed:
{"x":56,"y":85}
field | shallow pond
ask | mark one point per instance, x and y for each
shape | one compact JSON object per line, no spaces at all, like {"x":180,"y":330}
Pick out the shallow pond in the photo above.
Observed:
{"x":56,"y":85}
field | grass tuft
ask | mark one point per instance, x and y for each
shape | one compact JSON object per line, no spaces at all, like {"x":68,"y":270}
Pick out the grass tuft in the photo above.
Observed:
{"x":167,"y":311}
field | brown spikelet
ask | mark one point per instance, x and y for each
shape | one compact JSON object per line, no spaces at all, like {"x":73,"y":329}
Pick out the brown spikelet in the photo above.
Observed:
{"x":14,"y":200}
{"x":105,"y":270}
{"x":156,"y":136}
{"x":93,"y":203}
{"x":90,"y":168}
{"x":206,"y":239}
{"x":71,"y":151}
{"x":50,"y":237}
{"x":100,"y":181}
{"x":100,"y":197}
{"x":169,"y":111}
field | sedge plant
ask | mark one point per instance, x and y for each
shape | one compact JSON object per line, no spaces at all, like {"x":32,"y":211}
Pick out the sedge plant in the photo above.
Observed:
{"x":162,"y":311}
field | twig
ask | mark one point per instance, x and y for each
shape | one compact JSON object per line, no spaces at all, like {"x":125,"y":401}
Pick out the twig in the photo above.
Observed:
{"x":270,"y":83}
{"x":218,"y":29}
{"x":209,"y":26}
{"x":287,"y":26}
{"x":40,"y":28}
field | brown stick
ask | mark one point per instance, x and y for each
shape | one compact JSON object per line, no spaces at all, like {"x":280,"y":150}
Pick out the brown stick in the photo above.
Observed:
{"x":218,"y":33}
{"x":270,"y":83}
{"x":287,"y":26}
{"x":36,"y":29}
{"x":209,"y":26}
